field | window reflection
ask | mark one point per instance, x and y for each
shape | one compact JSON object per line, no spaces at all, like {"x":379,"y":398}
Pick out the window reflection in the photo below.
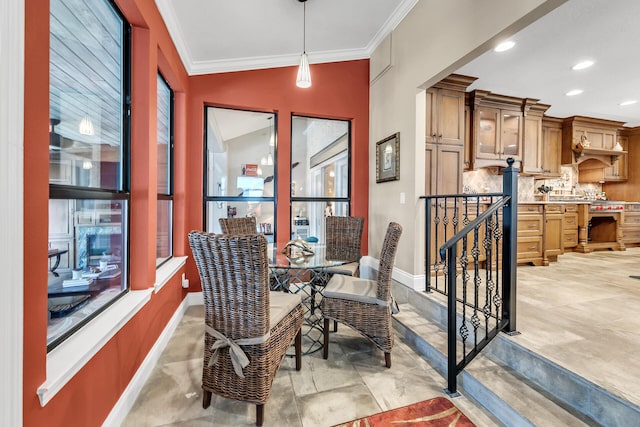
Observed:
{"x":240,"y":164}
{"x":319,"y":174}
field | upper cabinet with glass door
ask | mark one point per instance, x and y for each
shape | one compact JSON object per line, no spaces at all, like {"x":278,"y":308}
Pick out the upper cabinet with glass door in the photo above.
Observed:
{"x":497,"y":128}
{"x":240,"y":167}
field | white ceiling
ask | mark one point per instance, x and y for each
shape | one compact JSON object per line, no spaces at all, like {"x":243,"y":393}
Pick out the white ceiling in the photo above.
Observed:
{"x":539,"y":66}
{"x":221,"y":35}
{"x":215,"y":36}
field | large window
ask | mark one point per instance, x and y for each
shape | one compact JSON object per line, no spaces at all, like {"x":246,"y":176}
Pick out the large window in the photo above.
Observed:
{"x":164,"y":229}
{"x":88,"y":159}
{"x":240,"y":168}
{"x":320,"y":174}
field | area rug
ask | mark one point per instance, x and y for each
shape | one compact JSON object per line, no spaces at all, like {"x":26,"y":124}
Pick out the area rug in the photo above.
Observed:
{"x":438,"y":412}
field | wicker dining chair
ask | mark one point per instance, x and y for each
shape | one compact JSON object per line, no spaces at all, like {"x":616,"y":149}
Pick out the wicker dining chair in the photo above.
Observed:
{"x":240,"y":225}
{"x":365,"y":305}
{"x":248,"y":328}
{"x":343,"y":239}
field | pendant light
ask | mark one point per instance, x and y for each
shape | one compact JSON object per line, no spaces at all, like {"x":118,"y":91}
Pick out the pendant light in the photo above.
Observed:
{"x":304,"y":74}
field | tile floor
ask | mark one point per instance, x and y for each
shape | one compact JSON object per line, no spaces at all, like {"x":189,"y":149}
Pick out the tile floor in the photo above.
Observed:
{"x":352,"y":383}
{"x":581,"y":312}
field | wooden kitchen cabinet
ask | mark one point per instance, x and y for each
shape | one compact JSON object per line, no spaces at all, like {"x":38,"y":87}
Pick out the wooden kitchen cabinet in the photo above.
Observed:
{"x":618,"y":169}
{"x":553,"y":232}
{"x":445,"y":117}
{"x":570,"y":227}
{"x":599,"y":134}
{"x":444,"y":167}
{"x":445,"y":135}
{"x":533,"y":146}
{"x":530,"y":228}
{"x":631,"y":224}
{"x":497,"y":129}
{"x":551,"y":147}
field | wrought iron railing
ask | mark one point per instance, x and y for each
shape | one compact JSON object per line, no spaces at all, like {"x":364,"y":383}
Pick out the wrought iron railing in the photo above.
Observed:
{"x":471,"y":258}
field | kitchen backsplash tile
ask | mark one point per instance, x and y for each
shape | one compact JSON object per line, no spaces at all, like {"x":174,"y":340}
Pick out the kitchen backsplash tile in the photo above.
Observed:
{"x":490,"y":181}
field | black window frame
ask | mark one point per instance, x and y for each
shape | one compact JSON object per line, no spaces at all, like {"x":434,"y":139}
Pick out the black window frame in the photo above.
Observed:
{"x":272,"y":199}
{"x":73,"y":192}
{"x":308,"y":199}
{"x":169,"y":196}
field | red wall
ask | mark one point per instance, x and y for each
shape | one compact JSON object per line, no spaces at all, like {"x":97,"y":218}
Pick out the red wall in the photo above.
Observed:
{"x":340,"y":90}
{"x":88,"y":398}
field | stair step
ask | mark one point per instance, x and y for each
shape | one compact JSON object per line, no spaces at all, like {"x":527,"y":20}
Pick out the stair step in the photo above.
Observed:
{"x":506,"y":394}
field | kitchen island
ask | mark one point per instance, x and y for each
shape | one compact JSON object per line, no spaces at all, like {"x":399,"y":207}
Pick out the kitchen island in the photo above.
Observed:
{"x":547,"y":229}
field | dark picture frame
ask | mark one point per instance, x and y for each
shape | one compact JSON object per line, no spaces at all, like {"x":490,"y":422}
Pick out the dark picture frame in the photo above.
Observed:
{"x":388,"y":158}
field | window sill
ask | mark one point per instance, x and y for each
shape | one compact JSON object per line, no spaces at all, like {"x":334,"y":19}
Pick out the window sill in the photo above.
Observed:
{"x":167,"y":270}
{"x":68,"y":358}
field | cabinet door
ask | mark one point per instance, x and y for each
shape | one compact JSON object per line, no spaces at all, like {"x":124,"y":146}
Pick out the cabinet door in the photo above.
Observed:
{"x":553,"y":235}
{"x":431,"y":125}
{"x":443,"y":169}
{"x":510,"y":134}
{"x":450,"y":117}
{"x":551,"y":151}
{"x":532,"y":147}
{"x":431,"y":169}
{"x":486,"y":135}
{"x":450,"y":166}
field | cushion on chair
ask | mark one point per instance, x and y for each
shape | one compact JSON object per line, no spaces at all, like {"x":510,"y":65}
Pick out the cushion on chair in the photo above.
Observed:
{"x":280,"y":304}
{"x":352,"y":288}
{"x":348,"y":269}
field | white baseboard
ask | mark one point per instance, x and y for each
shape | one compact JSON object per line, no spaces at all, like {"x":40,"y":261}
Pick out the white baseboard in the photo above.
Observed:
{"x":123,"y":406}
{"x":369,"y":268}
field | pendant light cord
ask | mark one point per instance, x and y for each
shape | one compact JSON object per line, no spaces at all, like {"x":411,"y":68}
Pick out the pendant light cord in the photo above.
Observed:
{"x":304,"y":27}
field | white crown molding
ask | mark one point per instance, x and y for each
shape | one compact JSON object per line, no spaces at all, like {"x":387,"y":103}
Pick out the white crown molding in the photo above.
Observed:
{"x":168,"y":14}
{"x":261,"y":62}
{"x":391,"y":23}
{"x":274,"y":61}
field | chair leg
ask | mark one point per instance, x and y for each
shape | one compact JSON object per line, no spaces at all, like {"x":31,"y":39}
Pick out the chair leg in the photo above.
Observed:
{"x":387,"y":359}
{"x":335,"y":326}
{"x":325,"y":345}
{"x":206,"y":399}
{"x":298,"y":346}
{"x":259,"y":414}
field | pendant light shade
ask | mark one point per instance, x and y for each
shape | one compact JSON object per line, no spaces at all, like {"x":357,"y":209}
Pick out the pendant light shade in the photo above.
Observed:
{"x":86,"y":126}
{"x":304,"y":73}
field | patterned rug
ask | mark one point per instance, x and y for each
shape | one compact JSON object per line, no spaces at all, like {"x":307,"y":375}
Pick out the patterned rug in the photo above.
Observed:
{"x":438,"y":412}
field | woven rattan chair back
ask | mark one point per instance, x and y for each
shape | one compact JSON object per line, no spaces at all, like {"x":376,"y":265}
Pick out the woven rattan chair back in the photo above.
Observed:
{"x":344,"y":237}
{"x":234,"y":271}
{"x":387,"y":258}
{"x":241,"y":225}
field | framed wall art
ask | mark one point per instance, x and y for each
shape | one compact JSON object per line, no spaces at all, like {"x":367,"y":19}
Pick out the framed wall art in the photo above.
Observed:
{"x":388,"y":158}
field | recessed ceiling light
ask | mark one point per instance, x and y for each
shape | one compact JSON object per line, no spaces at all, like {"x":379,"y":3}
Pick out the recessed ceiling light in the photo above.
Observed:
{"x":630,"y":102}
{"x":582,"y":65}
{"x":574,"y":92}
{"x":504,"y":46}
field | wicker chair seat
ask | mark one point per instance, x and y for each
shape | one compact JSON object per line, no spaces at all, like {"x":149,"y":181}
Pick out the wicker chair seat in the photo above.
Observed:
{"x":353,"y":289}
{"x":350,"y":269}
{"x":280,"y":305}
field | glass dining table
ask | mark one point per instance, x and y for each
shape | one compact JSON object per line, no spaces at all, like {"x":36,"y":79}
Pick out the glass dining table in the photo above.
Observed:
{"x":306,"y":274}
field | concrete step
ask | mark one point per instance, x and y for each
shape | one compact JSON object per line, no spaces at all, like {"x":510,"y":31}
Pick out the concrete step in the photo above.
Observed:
{"x":503,"y":391}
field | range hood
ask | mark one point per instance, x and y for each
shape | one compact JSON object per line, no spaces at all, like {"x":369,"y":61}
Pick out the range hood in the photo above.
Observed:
{"x":594,"y":158}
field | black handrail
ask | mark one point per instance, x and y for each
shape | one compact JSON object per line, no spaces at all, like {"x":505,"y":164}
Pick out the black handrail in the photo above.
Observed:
{"x":494,"y":295}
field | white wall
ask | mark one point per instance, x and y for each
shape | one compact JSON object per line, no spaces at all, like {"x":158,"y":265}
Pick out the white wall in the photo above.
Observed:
{"x":11,"y":194}
{"x":435,"y":38}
